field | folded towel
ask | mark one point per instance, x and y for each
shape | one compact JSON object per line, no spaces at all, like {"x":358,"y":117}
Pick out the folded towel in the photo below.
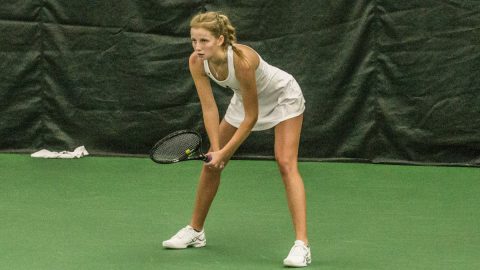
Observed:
{"x":77,"y":153}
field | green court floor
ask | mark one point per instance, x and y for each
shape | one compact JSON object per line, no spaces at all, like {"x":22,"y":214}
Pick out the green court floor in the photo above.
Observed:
{"x":113,"y":213}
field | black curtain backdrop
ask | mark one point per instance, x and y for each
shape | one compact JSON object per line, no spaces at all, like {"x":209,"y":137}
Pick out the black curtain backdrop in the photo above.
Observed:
{"x":385,"y":81}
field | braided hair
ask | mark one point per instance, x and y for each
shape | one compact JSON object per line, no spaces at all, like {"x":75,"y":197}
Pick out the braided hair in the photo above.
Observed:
{"x":219,"y":25}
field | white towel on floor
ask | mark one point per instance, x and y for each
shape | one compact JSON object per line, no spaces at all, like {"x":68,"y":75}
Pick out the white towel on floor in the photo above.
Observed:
{"x":77,"y":153}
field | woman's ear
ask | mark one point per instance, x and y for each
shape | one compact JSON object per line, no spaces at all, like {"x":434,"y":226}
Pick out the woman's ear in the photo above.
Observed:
{"x":220,"y":40}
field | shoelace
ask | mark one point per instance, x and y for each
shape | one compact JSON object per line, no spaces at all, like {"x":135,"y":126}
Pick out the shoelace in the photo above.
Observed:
{"x":181,"y":234}
{"x":298,"y":250}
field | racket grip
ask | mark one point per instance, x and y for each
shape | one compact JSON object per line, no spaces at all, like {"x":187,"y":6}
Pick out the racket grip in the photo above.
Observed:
{"x":207,"y":158}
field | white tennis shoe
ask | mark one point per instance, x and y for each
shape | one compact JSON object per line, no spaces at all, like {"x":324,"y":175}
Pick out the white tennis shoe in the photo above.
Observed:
{"x":299,"y":255}
{"x":186,"y":237}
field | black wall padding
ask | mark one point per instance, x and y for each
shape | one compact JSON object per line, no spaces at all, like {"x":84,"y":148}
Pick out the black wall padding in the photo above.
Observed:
{"x":384,"y":80}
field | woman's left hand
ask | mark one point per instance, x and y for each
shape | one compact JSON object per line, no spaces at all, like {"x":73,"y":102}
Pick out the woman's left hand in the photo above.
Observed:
{"x":218,"y":160}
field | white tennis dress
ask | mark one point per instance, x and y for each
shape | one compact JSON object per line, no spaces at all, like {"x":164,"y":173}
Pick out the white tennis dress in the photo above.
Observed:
{"x":279,"y":95}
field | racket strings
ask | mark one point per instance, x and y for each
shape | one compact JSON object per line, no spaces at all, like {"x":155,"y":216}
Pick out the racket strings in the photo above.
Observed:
{"x":178,"y":147}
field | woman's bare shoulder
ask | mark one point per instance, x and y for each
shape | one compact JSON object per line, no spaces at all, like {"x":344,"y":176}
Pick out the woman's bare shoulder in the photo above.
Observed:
{"x":195,"y":64}
{"x":250,"y":55}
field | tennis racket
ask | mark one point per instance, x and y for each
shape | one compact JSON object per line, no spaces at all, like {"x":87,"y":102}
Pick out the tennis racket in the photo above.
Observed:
{"x":179,"y":146}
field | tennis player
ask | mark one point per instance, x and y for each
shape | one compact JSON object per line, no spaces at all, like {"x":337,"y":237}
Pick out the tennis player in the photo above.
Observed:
{"x":264,"y":97}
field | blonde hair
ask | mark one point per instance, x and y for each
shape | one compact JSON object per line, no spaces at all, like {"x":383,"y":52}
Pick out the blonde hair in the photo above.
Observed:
{"x":219,"y":25}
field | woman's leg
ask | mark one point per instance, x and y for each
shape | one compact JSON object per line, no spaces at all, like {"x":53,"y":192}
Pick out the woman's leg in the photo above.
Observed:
{"x":209,"y":182}
{"x":287,"y":139}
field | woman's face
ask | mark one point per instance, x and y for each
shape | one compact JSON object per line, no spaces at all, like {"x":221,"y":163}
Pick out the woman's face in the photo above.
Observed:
{"x":205,"y":45}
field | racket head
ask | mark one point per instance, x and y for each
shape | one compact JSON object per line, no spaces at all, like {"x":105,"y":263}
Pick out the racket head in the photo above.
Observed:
{"x":177,"y":146}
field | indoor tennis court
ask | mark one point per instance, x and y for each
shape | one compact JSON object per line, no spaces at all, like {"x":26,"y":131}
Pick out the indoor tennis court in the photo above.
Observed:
{"x":113,"y":213}
{"x":375,"y":102}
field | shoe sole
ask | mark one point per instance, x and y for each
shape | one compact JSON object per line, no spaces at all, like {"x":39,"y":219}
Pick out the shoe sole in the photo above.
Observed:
{"x":199,"y":245}
{"x":296,"y":265}
{"x":309,"y":261}
{"x":195,"y":245}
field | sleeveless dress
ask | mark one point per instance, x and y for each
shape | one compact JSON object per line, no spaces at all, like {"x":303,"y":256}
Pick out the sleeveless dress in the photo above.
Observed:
{"x":279,"y":95}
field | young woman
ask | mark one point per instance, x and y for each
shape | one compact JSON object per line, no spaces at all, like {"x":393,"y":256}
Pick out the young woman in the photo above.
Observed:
{"x":263,"y":97}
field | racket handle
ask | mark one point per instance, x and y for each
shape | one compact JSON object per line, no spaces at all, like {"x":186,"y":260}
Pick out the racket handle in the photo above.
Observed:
{"x":207,"y":158}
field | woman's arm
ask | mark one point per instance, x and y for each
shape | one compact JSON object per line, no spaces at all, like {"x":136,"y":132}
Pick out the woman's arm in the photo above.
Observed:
{"x":245,"y":73}
{"x":211,"y":119}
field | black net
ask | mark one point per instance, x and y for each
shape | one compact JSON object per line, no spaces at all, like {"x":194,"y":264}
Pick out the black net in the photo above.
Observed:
{"x":176,"y":148}
{"x":384,"y":81}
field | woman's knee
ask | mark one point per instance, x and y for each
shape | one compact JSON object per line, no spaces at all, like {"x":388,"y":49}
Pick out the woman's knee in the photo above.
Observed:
{"x":210,"y":172}
{"x":286,"y":165}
